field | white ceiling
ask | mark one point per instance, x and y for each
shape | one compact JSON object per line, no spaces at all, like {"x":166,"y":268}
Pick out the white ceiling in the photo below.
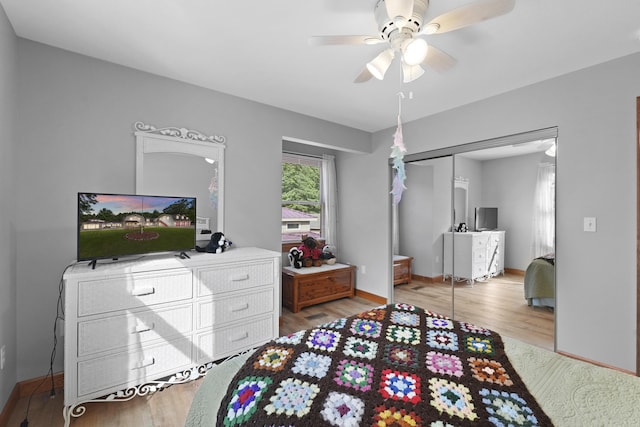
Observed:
{"x":259,"y":49}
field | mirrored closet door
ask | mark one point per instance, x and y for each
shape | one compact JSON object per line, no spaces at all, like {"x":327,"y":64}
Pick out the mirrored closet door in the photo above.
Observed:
{"x":480,"y":226}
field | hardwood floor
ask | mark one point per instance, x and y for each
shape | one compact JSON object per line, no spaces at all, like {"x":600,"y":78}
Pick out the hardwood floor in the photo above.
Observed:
{"x":497,"y":304}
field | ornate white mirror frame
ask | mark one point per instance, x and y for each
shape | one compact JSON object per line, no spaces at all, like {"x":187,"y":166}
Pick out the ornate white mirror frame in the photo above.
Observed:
{"x":181,"y":141}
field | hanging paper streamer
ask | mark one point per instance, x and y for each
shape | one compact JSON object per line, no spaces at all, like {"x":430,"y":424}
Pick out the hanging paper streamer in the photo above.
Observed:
{"x":398,"y":150}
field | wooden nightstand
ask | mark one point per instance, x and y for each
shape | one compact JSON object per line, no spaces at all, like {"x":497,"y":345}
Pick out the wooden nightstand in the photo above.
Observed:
{"x":401,"y":269}
{"x":307,"y":286}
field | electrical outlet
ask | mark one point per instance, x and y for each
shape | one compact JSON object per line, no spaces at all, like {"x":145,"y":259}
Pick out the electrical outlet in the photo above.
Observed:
{"x":3,"y":351}
{"x":590,"y":224}
{"x":363,"y":269}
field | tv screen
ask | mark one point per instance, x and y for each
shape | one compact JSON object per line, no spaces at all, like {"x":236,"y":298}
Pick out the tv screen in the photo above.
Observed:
{"x":118,"y":225}
{"x":486,"y":219}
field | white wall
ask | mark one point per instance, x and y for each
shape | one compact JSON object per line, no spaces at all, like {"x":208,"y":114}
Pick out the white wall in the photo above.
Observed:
{"x":76,"y":115}
{"x":8,"y":46}
{"x":594,"y":110}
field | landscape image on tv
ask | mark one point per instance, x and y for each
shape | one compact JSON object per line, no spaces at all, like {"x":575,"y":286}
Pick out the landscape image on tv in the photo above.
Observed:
{"x":116,"y":225}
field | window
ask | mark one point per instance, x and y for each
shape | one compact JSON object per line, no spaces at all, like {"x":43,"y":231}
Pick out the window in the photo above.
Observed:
{"x":301,"y":197}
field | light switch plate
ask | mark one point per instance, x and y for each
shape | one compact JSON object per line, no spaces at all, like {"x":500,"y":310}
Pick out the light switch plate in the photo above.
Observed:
{"x":589,"y":224}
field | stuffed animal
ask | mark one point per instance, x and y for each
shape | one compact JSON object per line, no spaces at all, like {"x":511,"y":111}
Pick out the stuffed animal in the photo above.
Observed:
{"x":218,"y":244}
{"x":295,"y":258}
{"x":327,"y":256}
{"x":310,"y":252}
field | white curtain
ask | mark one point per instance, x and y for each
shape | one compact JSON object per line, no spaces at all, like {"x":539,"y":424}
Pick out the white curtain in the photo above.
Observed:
{"x":329,"y":200}
{"x":544,"y":211}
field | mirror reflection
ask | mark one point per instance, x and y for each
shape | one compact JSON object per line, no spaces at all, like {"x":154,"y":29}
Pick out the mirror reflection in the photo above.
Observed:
{"x":501,"y":271}
{"x":188,"y":175}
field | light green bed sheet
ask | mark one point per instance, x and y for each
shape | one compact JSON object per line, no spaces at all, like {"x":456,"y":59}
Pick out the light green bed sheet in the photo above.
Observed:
{"x":571,"y":392}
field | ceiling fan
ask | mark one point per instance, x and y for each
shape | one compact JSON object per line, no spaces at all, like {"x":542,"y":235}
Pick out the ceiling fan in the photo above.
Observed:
{"x":401,"y":25}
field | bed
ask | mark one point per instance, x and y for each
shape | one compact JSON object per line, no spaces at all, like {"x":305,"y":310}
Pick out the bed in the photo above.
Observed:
{"x":526,"y":385}
{"x":539,"y":282}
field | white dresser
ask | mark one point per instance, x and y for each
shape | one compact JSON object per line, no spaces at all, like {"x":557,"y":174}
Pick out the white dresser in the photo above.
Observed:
{"x":476,"y":255}
{"x":132,"y":323}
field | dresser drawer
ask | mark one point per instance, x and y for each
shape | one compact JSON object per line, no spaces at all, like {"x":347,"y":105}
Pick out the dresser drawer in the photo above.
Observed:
{"x":119,"y":370}
{"x":223,"y":342}
{"x":234,"y":277}
{"x":479,"y":270}
{"x":136,"y":329}
{"x":235,"y":307}
{"x":136,"y":290}
{"x":480,"y":241}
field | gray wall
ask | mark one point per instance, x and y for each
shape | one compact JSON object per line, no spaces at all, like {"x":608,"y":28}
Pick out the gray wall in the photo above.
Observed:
{"x":594,"y":110}
{"x":509,"y":184}
{"x":8,"y":43}
{"x":505,"y":183}
{"x":415,"y":215}
{"x":75,"y":116}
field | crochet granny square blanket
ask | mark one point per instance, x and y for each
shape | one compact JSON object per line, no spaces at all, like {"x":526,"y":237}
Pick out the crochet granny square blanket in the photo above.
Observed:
{"x":395,"y":365}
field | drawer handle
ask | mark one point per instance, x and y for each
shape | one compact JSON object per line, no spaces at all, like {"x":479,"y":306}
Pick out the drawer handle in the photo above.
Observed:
{"x":239,"y":277}
{"x":244,"y":336}
{"x":240,"y":307}
{"x":144,"y":363}
{"x":143,"y":328}
{"x":143,"y":291}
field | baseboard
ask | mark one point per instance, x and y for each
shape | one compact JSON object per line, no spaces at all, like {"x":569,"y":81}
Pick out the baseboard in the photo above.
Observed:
{"x":10,"y":406}
{"x":25,"y":389}
{"x":514,"y":271}
{"x":371,"y":297}
{"x":421,"y":278}
{"x":593,"y":362}
{"x":40,"y":385}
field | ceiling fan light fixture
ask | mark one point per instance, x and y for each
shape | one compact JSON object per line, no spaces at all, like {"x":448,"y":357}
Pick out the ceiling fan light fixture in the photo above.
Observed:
{"x":411,"y":72}
{"x":380,"y":64}
{"x":414,"y":51}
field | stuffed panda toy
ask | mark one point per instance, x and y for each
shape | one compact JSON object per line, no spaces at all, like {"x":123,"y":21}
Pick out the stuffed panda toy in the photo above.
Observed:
{"x":218,"y":244}
{"x":295,"y":258}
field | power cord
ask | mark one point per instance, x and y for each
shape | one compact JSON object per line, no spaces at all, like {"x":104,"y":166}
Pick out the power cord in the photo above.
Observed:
{"x":59,"y":316}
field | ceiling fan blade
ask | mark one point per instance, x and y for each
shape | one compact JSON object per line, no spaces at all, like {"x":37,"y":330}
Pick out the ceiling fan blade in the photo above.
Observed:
{"x":364,"y":76}
{"x":337,"y":40}
{"x":468,"y":15}
{"x":438,"y":60}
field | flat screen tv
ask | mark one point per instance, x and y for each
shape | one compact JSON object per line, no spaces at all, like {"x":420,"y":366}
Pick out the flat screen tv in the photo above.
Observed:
{"x":486,"y":219}
{"x":118,"y":225}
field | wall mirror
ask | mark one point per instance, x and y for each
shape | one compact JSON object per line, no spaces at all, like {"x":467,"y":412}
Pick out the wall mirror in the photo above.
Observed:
{"x":460,"y":201}
{"x":181,"y":162}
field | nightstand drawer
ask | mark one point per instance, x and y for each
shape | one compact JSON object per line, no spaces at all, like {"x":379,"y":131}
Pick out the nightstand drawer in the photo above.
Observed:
{"x":234,"y":277}
{"x":136,"y":290}
{"x":110,"y":333}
